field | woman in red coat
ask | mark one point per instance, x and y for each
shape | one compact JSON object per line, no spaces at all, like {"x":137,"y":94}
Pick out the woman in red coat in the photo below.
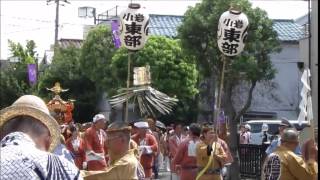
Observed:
{"x":75,"y":145}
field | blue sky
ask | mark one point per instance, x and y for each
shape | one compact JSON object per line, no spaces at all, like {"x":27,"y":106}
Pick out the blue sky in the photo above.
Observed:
{"x":34,"y":20}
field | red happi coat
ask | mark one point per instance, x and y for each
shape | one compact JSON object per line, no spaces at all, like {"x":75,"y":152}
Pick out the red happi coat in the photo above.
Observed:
{"x":78,"y":151}
{"x":174,"y":142}
{"x":226,"y":149}
{"x":96,"y":144}
{"x":146,"y":160}
{"x":186,"y":158}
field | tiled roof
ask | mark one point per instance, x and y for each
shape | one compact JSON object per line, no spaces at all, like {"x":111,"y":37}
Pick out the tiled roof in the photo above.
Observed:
{"x":166,"y":25}
{"x":64,"y":43}
{"x":288,"y":30}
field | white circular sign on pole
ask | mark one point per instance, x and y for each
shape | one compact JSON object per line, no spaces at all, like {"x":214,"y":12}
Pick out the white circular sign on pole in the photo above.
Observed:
{"x":133,"y":27}
{"x":232,"y":32}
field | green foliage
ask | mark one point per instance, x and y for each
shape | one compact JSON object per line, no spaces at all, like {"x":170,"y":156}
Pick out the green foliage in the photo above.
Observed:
{"x":172,"y":72}
{"x":66,"y":69}
{"x":200,"y":26}
{"x":25,"y":55}
{"x":14,"y":79}
{"x":96,"y":55}
{"x":11,"y":89}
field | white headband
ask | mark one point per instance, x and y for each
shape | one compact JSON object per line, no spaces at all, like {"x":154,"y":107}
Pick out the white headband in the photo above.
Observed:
{"x":98,"y":117}
{"x":141,"y":124}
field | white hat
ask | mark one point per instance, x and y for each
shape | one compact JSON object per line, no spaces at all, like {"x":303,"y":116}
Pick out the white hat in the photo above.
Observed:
{"x":98,"y":117}
{"x":141,"y":124}
{"x":265,"y":127}
{"x":247,"y":126}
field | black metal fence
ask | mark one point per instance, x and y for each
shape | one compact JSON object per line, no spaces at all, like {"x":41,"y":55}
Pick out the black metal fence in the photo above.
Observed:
{"x":251,"y":158}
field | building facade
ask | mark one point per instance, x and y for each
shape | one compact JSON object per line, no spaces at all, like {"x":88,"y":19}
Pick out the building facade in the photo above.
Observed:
{"x":281,"y":96}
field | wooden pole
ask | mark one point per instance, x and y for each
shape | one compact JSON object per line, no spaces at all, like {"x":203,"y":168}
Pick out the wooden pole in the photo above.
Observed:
{"x":309,"y":94}
{"x":220,"y":88}
{"x":219,"y":98}
{"x":211,"y":161}
{"x":128,"y":85}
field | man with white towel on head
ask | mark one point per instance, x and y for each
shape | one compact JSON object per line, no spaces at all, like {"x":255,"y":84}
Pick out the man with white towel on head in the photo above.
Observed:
{"x":148,"y":146}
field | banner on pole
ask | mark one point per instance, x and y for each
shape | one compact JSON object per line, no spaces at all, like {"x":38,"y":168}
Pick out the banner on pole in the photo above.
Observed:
{"x":115,"y":34}
{"x":32,"y":73}
{"x":309,"y":110}
{"x":221,"y":118}
{"x":306,"y":102}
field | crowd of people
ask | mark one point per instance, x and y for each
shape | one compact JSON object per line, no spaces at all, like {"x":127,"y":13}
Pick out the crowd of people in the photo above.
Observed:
{"x":178,"y":149}
{"x":35,"y":146}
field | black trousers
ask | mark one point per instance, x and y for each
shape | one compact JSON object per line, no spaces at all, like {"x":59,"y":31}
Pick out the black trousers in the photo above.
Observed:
{"x":155,"y":167}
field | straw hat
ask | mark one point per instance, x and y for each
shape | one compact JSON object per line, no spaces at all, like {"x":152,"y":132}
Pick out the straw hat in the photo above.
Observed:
{"x":30,"y":105}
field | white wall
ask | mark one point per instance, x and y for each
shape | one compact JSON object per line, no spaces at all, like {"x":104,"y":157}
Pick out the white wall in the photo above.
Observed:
{"x":284,"y":95}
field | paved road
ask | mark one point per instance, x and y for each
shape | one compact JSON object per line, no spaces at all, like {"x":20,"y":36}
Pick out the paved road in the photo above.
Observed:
{"x":164,"y":175}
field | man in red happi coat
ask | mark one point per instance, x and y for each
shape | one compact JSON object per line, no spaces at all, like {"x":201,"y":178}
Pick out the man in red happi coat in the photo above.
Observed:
{"x":75,"y":144}
{"x":148,"y":146}
{"x":184,"y":161}
{"x":95,"y":141}
{"x":174,"y":142}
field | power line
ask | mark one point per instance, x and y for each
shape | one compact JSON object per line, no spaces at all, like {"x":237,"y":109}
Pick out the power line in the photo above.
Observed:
{"x":37,"y":28}
{"x":57,"y":19}
{"x":33,"y":29}
{"x":27,"y":19}
{"x":64,"y":23}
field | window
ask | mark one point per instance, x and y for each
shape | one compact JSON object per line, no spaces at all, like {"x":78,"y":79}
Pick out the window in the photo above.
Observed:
{"x":256,"y":128}
{"x":273,"y":129}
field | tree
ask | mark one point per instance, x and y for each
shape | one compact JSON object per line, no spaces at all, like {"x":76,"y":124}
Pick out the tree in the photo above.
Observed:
{"x":66,"y":69}
{"x":96,"y":54}
{"x":14,"y":79}
{"x":200,"y":26}
{"x":172,"y":72}
{"x":10,"y":89}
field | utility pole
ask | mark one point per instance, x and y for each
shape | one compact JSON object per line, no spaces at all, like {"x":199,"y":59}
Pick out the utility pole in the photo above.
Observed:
{"x":56,"y":31}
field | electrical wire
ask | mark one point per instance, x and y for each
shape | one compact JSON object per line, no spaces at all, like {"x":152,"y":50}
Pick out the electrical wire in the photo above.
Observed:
{"x":39,"y":20}
{"x":28,"y":19}
{"x":33,"y":29}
